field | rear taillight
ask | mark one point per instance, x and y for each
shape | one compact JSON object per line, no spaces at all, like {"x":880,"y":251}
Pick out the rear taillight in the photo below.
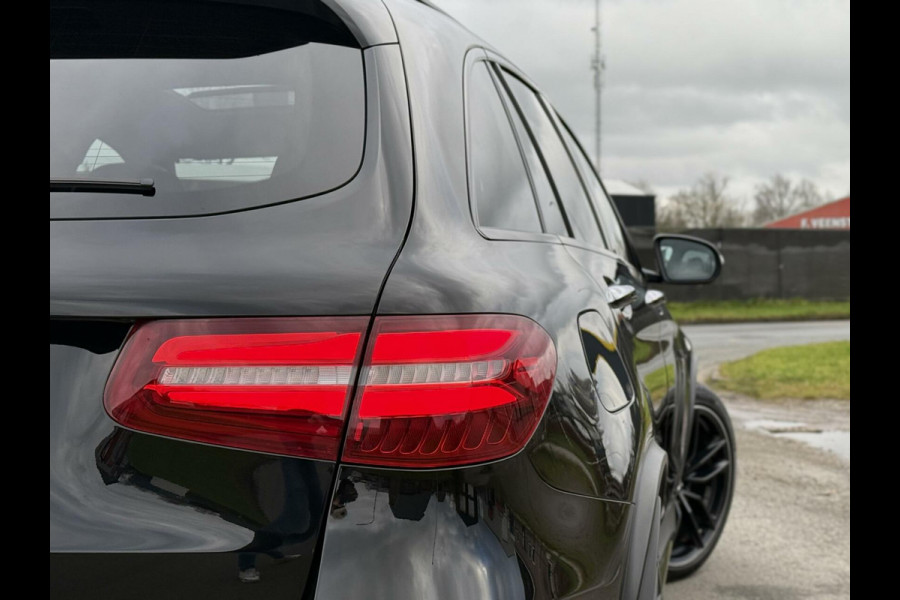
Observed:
{"x":434,"y":392}
{"x":274,"y":385}
{"x":444,"y":391}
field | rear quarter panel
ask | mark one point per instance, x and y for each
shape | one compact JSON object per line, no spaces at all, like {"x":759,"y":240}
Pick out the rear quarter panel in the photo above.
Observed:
{"x":514,"y":528}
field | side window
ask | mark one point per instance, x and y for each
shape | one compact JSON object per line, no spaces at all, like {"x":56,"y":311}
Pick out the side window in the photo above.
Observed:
{"x":612,"y":229}
{"x":554,"y":222}
{"x":500,"y":186}
{"x":568,"y":185}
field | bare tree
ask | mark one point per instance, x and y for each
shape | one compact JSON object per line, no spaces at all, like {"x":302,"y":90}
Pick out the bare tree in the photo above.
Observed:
{"x":705,"y":204}
{"x":780,"y":197}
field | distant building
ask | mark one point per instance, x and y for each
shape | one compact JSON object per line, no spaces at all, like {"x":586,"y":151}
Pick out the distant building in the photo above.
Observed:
{"x":637,"y":207}
{"x":833,"y":215}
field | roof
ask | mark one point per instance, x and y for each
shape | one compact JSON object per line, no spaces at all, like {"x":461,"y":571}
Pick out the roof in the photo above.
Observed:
{"x":617,"y":187}
{"x":833,"y":215}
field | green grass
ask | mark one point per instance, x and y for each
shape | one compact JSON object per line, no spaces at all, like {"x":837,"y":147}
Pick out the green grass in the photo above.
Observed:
{"x":760,"y":309}
{"x":808,"y":371}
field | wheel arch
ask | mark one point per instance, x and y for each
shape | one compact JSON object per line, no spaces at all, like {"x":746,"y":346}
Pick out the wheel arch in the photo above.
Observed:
{"x":649,"y":487}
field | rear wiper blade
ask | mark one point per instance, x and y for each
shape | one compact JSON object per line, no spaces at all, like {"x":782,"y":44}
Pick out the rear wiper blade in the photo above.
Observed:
{"x":144,"y":187}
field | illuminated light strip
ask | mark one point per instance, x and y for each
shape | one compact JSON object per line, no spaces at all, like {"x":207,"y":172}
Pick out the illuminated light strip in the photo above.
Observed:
{"x":428,"y":373}
{"x":256,"y":375}
{"x":327,"y":402}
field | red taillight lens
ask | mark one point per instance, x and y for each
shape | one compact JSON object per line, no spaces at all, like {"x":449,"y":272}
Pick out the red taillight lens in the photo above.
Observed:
{"x":445,"y":391}
{"x":274,"y":385}
{"x":435,"y":391}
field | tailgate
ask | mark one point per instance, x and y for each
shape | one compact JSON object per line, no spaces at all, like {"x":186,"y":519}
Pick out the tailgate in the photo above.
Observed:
{"x":142,"y":516}
{"x":242,"y":226}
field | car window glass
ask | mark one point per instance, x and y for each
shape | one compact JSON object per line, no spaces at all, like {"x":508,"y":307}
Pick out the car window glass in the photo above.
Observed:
{"x":224,"y":107}
{"x":612,"y":230}
{"x":501,"y":191}
{"x":554,"y":222}
{"x":571,"y":192}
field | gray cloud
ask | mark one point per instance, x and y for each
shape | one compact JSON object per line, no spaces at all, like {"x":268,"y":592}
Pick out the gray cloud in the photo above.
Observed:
{"x":744,"y":88}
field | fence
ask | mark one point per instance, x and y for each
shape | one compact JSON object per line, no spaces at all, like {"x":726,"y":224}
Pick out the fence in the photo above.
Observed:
{"x":766,"y":263}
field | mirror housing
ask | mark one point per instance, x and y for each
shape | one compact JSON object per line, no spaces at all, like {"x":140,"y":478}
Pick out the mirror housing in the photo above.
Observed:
{"x":651,"y":276}
{"x":684,"y":259}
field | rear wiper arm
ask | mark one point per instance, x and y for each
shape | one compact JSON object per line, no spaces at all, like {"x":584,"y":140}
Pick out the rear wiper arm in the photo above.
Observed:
{"x":144,"y":187}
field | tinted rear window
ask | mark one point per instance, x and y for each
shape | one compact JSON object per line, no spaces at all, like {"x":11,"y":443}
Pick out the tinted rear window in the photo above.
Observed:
{"x":223,"y":106}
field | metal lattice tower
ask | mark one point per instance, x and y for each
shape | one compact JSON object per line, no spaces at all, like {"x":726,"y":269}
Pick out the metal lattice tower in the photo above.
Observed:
{"x":598,"y":65}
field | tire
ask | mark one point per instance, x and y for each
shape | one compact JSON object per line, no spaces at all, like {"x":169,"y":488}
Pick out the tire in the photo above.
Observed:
{"x":703,"y":499}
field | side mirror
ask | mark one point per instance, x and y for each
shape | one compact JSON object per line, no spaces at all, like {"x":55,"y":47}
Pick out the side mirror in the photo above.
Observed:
{"x":686,"y":259}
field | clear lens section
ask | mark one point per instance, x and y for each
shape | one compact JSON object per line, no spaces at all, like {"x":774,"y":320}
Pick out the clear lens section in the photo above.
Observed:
{"x":273,"y":376}
{"x":453,"y":372}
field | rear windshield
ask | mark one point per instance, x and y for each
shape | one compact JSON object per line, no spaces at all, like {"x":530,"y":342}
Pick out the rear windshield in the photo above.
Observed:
{"x":222,"y":106}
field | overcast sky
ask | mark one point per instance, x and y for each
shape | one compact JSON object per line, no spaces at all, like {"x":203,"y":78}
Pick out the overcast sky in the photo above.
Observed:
{"x":742,"y":88}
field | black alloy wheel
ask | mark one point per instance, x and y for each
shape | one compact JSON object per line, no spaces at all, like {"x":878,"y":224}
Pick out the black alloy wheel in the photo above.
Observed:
{"x":703,"y":498}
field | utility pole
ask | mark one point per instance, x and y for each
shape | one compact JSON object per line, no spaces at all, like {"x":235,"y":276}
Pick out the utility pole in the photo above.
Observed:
{"x":598,"y":64}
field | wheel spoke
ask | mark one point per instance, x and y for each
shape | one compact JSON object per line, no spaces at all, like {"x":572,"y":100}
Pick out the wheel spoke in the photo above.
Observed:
{"x":693,"y":527}
{"x":716,"y":470}
{"x":709,"y":452}
{"x":703,"y":509}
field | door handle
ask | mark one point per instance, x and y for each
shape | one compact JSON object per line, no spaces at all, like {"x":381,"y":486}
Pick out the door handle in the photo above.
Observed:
{"x":653,"y":297}
{"x":620,"y":296}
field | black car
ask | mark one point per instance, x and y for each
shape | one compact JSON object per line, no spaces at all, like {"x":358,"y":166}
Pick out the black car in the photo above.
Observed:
{"x":339,"y":308}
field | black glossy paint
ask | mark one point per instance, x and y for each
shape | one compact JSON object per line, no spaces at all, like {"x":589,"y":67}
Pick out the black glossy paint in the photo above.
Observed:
{"x":486,"y":532}
{"x":140,"y":516}
{"x":582,"y":509}
{"x":369,"y":21}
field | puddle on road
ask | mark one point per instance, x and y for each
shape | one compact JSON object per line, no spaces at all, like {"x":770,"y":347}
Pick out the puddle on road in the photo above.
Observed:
{"x":773,"y":425}
{"x":833,"y":441}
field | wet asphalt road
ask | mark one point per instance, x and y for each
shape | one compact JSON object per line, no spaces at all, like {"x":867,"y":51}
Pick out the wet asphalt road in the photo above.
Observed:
{"x":788,"y":534}
{"x":715,"y":344}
